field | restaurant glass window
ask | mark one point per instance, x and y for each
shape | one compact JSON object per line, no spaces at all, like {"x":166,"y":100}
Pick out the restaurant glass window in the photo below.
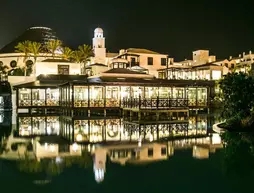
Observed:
{"x":81,"y":96}
{"x":52,"y":96}
{"x":38,"y":97}
{"x":112,"y":96}
{"x":24,"y":95}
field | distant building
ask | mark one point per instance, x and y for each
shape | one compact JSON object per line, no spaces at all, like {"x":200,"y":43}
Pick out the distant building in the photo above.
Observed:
{"x":148,"y":60}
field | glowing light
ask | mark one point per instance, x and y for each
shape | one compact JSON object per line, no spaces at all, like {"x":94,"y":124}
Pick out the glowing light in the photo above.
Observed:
{"x":79,"y":137}
{"x":140,"y":142}
{"x":75,"y":147}
{"x":22,"y":132}
{"x":52,"y":148}
{"x":99,"y":175}
{"x":49,"y":130}
{"x":58,"y":160}
{"x":1,"y":118}
{"x":123,"y":94}
{"x":151,"y":138}
{"x":40,"y":27}
{"x":216,"y":139}
{"x":94,"y":94}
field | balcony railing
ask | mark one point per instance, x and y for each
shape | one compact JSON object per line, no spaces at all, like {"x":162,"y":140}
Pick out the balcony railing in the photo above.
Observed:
{"x":154,"y":103}
{"x":134,"y":64}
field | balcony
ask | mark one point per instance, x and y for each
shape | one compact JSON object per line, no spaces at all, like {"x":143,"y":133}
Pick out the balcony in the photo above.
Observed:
{"x":133,"y":64}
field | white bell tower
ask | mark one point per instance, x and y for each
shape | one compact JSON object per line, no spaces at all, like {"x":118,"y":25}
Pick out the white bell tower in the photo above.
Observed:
{"x":99,"y":46}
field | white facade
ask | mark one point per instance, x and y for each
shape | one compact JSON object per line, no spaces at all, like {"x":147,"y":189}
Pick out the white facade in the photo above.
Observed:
{"x":100,"y":158}
{"x":19,"y":58}
{"x":150,"y":60}
{"x":54,"y":67}
{"x":99,"y":46}
{"x":202,"y":57}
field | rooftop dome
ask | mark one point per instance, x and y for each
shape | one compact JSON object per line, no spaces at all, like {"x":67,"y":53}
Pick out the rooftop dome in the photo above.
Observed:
{"x":35,"y":34}
{"x":98,"y":30}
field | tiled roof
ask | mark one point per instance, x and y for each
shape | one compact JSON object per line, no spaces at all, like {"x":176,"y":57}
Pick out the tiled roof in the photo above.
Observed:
{"x":52,"y":81}
{"x":235,"y":58}
{"x":141,"y":51}
{"x":155,"y":81}
{"x":204,"y":65}
{"x":38,"y":84}
{"x":56,"y":60}
{"x":98,"y":64}
{"x":111,"y":55}
{"x":219,"y":60}
{"x":138,"y":68}
{"x":61,"y":78}
{"x":121,"y":81}
{"x":122,"y":71}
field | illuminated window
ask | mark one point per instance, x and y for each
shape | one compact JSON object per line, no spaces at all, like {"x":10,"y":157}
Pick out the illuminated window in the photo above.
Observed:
{"x":216,"y":74}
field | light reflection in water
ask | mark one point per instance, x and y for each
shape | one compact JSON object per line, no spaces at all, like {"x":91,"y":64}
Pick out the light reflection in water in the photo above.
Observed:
{"x":111,"y":129}
{"x":133,"y":153}
{"x":139,"y":139}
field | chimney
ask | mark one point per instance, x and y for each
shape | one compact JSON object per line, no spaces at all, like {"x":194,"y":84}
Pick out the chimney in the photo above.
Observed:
{"x":243,"y":53}
{"x":230,"y":57}
{"x":250,"y":52}
{"x":240,"y":55}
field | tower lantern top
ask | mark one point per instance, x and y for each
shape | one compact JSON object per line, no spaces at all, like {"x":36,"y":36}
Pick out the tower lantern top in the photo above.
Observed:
{"x":98,"y":33}
{"x":98,"y":30}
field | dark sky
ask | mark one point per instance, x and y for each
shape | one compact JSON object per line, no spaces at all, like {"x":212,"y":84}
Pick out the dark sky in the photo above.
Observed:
{"x":175,"y":27}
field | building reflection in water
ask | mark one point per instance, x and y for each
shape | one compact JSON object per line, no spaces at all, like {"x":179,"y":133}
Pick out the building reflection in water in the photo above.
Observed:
{"x":38,"y":125}
{"x":151,"y":152}
{"x":120,"y":153}
{"x":96,"y":130}
{"x":134,"y":142}
{"x":5,"y":125}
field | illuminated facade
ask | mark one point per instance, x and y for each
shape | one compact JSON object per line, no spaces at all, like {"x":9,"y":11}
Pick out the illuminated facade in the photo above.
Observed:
{"x":138,"y":152}
{"x":208,"y":71}
{"x":114,"y":90}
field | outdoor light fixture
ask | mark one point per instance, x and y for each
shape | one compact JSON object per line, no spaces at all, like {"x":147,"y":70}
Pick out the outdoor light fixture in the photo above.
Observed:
{"x":75,"y":147}
{"x":1,"y":118}
{"x":79,"y":137}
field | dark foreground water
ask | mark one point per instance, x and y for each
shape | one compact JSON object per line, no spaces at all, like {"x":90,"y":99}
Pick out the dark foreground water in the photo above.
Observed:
{"x":198,"y":165}
{"x":180,"y":173}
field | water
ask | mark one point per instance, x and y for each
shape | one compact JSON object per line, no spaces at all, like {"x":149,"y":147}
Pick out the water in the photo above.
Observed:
{"x":183,"y":164}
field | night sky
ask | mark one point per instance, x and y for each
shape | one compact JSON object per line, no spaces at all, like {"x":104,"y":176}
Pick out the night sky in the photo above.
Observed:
{"x":176,"y":28}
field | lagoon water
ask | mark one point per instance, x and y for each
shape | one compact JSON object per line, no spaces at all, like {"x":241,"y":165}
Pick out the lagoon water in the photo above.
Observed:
{"x":190,"y":165}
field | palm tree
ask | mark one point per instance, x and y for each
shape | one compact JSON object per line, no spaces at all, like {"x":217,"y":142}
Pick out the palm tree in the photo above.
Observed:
{"x":3,"y":68}
{"x":67,"y":53}
{"x":76,"y":56}
{"x":53,"y":45}
{"x":3,"y":71}
{"x":23,"y":47}
{"x":85,"y":52}
{"x":35,"y":48}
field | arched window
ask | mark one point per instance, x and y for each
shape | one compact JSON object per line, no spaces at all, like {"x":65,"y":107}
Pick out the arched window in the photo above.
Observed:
{"x":13,"y":64}
{"x":29,"y":63}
